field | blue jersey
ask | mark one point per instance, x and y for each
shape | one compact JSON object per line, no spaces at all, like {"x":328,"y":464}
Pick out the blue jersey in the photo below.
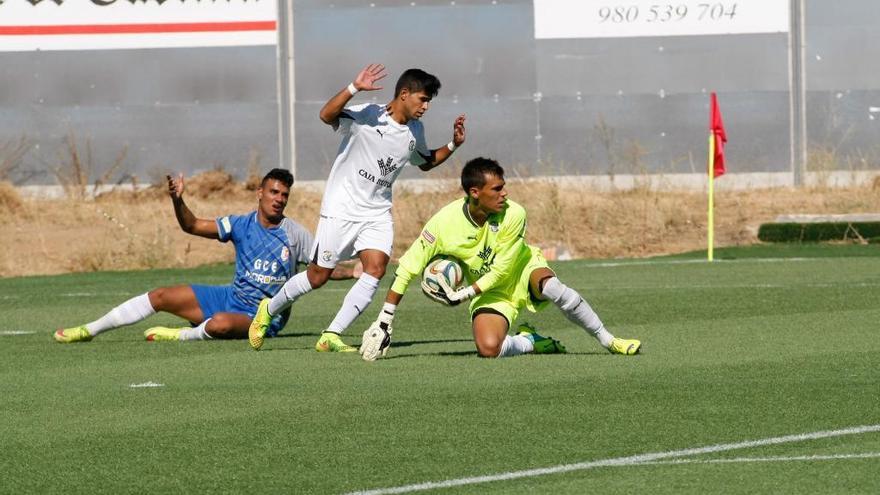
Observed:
{"x":264,"y":257}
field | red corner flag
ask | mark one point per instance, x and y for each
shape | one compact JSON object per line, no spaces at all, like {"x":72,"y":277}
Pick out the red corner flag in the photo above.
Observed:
{"x":719,"y":137}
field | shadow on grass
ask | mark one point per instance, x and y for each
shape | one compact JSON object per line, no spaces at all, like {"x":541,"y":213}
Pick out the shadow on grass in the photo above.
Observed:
{"x":408,"y":343}
{"x":473,"y":353}
{"x":304,"y":334}
{"x":400,"y":345}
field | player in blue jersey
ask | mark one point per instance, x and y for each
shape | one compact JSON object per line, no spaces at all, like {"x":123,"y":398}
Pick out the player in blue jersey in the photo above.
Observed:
{"x":269,"y":247}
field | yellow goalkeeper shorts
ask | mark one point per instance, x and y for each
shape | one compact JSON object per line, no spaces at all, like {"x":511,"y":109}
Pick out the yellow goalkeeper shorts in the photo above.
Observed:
{"x":512,"y":295}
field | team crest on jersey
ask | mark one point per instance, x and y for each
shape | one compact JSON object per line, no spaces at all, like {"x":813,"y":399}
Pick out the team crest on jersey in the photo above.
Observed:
{"x":285,"y":253}
{"x":326,"y":256}
{"x":412,"y":144}
{"x":493,"y":226}
{"x":428,"y":237}
{"x":387,"y":166}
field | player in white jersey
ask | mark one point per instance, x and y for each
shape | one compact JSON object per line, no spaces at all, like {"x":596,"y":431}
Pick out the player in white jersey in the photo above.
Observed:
{"x":378,"y":141}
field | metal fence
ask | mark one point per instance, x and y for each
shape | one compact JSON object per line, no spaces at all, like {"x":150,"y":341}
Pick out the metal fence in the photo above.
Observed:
{"x":597,"y":106}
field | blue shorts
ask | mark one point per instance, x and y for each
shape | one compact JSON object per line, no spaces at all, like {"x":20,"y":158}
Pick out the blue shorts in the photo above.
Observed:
{"x":215,"y":299}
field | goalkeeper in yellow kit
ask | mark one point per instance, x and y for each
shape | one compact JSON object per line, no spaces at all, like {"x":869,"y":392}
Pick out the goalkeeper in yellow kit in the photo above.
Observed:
{"x":486,"y":232}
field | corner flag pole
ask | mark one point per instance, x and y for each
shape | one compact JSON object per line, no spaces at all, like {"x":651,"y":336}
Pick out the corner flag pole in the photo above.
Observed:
{"x":717,"y":138}
{"x":711,"y":174}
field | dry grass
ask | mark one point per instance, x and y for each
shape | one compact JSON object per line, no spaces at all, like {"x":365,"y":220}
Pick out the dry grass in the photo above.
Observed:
{"x":10,"y":200}
{"x":12,"y":153}
{"x":74,"y":167}
{"x":125,"y":230}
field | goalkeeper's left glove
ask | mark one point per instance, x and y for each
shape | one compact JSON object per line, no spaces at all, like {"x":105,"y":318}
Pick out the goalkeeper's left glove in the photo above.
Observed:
{"x":456,"y":296}
{"x":377,"y":339}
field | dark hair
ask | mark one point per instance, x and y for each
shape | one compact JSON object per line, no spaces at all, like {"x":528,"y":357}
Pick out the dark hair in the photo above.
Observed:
{"x":416,"y":80}
{"x":475,"y":171}
{"x":281,"y":175}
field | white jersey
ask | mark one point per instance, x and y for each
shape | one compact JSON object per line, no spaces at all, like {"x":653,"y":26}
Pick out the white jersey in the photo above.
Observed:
{"x":374,"y":150}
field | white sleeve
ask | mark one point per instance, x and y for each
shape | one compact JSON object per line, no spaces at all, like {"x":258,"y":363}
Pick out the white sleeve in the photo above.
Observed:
{"x":300,"y":240}
{"x":356,"y":114}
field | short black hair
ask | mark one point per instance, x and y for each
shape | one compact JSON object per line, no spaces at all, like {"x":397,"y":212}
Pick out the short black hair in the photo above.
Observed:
{"x":416,"y":80}
{"x":475,"y":171}
{"x":281,"y":175}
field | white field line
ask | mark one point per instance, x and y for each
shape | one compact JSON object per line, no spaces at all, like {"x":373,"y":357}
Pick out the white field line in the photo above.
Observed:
{"x":611,"y":264}
{"x":620,"y":461}
{"x":92,"y":294}
{"x":868,"y":455}
{"x":16,"y":332}
{"x":146,"y":385}
{"x":122,"y":294}
{"x":736,"y":286}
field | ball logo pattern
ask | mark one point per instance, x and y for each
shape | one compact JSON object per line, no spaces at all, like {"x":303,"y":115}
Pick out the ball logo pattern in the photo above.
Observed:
{"x":441,"y":267}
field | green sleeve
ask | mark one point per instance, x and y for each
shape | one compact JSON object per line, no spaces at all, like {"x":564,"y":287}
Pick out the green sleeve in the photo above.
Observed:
{"x":413,"y":262}
{"x":508,"y":244}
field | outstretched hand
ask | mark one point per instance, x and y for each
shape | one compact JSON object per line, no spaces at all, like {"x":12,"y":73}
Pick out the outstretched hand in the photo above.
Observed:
{"x":458,"y":133}
{"x":367,"y":78}
{"x":175,"y":186}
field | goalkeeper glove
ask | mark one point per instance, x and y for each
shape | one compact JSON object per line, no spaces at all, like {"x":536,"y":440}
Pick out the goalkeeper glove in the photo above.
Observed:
{"x":456,"y":296}
{"x":377,"y":339}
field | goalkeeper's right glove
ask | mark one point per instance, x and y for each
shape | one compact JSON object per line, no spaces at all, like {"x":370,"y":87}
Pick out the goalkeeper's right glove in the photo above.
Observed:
{"x":377,"y":339}
{"x":456,"y":296}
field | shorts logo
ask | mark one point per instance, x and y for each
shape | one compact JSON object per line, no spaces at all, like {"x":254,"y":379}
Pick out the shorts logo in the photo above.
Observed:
{"x":493,"y":226}
{"x":412,"y":144}
{"x":285,"y":253}
{"x":326,"y":256}
{"x":428,"y":237}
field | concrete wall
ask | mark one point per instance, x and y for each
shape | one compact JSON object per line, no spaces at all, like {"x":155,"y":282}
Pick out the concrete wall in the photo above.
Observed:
{"x":548,"y":107}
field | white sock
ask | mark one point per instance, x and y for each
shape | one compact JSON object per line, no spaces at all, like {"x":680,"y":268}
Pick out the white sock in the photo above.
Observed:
{"x":518,"y":344}
{"x":196,"y":333}
{"x":132,"y":311}
{"x":576,"y":309}
{"x":290,"y":291}
{"x":355,"y":302}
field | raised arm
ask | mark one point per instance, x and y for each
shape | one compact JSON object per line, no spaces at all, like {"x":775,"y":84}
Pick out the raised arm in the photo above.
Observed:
{"x":365,"y":81}
{"x":440,"y":155}
{"x":189,"y":223}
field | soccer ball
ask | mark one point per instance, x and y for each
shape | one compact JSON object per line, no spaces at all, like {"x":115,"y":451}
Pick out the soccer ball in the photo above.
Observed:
{"x":441,"y":267}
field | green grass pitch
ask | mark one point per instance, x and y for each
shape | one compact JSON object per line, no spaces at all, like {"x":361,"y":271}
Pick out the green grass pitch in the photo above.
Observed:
{"x":767,"y":342}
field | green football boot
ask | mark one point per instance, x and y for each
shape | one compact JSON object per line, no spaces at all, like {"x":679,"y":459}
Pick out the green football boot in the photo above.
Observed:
{"x":259,"y":325}
{"x":331,"y":342}
{"x":626,"y":347}
{"x":162,"y":334}
{"x":543,"y":345}
{"x":71,"y":335}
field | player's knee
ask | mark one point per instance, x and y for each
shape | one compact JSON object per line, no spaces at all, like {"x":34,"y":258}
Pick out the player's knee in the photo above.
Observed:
{"x":489,"y":348}
{"x":318,"y":276}
{"x":158,"y":298}
{"x":376,"y":270}
{"x":219,"y":326}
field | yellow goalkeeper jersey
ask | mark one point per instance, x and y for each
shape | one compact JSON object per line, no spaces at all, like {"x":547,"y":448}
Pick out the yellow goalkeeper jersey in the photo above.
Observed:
{"x":490,"y":253}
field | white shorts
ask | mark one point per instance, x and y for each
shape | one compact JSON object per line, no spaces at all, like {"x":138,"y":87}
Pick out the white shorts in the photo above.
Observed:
{"x":337,"y":239}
